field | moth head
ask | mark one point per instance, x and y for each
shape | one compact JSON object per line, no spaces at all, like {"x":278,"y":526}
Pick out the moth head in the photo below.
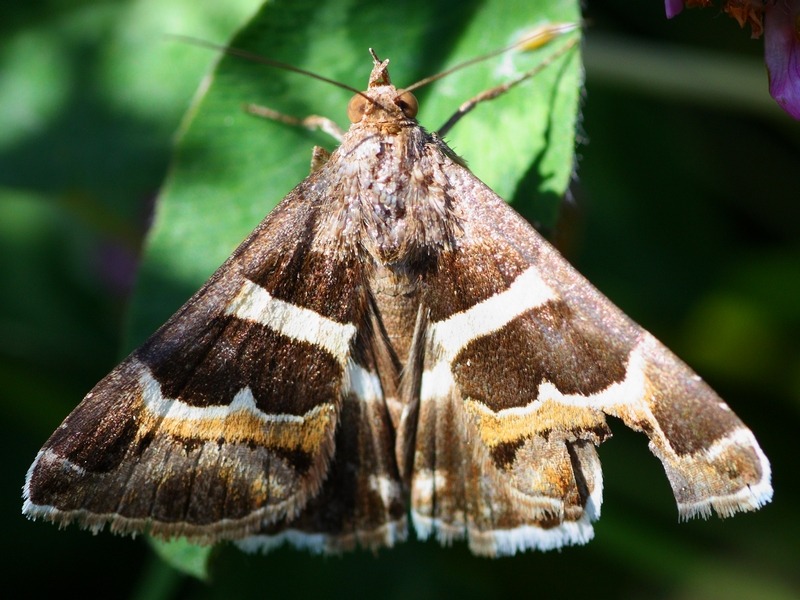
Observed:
{"x":381,"y":96}
{"x":361,"y":104}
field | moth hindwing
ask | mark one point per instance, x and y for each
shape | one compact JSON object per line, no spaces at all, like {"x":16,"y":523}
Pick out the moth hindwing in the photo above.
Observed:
{"x":392,"y":339}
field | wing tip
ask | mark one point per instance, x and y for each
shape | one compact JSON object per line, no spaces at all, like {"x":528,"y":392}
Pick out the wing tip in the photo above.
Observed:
{"x":747,"y":499}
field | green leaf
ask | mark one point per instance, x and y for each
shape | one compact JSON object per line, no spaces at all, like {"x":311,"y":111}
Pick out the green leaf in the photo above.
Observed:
{"x":187,"y":558}
{"x":231,"y":168}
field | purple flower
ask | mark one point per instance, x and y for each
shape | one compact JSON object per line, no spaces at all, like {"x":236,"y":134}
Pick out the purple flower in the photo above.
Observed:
{"x":782,"y":54}
{"x":673,"y":7}
{"x":779,"y":21}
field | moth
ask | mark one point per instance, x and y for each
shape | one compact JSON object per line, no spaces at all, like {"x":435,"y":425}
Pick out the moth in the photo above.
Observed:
{"x":392,"y":343}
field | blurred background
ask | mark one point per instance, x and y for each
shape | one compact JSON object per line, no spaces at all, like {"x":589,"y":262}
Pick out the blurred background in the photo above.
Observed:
{"x":684,"y":211}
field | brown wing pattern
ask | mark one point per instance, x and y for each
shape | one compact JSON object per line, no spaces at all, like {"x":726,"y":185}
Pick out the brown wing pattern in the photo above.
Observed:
{"x":224,"y":422}
{"x":524,"y":359}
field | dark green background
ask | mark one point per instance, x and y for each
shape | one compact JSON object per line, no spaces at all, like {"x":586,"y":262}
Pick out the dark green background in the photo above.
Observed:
{"x":684,"y":211}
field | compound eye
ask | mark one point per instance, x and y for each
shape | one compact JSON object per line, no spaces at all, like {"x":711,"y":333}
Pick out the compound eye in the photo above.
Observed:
{"x":356,"y":108}
{"x":408,"y":104}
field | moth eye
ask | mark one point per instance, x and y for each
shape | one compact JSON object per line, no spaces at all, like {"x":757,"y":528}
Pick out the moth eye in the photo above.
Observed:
{"x":408,"y":104}
{"x":356,"y":107}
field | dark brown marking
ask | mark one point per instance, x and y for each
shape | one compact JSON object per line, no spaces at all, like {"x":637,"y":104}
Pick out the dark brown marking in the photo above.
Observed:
{"x":688,"y":412}
{"x":504,"y":369}
{"x":286,"y":376}
{"x":581,"y":484}
{"x":97,"y":434}
{"x":505,"y":453}
{"x":468,"y":276}
{"x":285,"y":276}
{"x":300,"y":461}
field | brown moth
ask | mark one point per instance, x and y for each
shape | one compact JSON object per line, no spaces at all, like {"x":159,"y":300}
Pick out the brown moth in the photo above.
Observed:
{"x":392,"y":340}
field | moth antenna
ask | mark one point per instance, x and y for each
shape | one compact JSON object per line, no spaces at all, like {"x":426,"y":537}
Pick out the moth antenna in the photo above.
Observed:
{"x":231,"y":51}
{"x":496,"y":91}
{"x":537,"y":37}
